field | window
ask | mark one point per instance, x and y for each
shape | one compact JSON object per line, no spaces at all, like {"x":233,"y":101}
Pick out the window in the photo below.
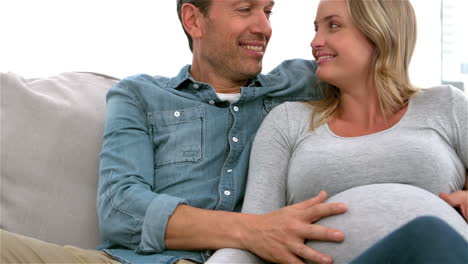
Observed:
{"x":455,"y":43}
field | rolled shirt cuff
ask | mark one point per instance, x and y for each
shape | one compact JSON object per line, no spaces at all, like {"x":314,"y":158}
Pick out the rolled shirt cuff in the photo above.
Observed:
{"x":155,"y":223}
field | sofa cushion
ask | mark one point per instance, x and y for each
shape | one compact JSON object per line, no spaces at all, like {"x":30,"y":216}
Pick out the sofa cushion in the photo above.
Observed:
{"x":51,"y":134}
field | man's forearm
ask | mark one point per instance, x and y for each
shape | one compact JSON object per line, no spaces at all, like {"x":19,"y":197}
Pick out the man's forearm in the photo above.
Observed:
{"x":277,"y":236}
{"x":191,"y":228}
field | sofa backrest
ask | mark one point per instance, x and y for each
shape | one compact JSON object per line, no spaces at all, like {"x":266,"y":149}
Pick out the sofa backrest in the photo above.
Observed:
{"x":50,"y":136}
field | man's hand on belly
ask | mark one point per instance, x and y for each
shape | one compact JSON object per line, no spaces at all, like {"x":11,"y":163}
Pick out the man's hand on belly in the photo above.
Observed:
{"x":279,"y":236}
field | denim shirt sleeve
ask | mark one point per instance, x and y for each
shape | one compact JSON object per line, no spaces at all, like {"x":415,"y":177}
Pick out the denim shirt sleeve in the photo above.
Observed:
{"x":293,"y":80}
{"x":130,"y":213}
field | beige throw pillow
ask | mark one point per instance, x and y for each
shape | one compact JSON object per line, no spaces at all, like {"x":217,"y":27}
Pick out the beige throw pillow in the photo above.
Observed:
{"x":51,"y":134}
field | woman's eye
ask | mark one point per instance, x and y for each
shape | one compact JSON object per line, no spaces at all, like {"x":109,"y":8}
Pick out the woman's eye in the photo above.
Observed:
{"x":334,"y":26}
{"x":244,"y":10}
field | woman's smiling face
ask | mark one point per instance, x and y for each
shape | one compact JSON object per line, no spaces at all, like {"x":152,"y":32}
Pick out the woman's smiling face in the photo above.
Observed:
{"x":342,"y":51}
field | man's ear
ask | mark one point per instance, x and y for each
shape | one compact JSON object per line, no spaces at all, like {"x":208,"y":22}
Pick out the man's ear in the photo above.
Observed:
{"x":192,"y":20}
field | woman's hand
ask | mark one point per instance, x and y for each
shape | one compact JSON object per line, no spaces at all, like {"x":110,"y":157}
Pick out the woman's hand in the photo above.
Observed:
{"x":457,"y":199}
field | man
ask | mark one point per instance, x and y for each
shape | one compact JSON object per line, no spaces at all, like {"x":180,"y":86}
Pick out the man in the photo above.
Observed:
{"x":175,"y":153}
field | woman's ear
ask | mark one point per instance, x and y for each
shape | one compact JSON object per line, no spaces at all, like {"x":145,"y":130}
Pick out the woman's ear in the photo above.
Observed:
{"x":192,"y":20}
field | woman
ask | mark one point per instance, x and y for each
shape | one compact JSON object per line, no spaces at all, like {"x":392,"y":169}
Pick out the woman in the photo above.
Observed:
{"x":375,"y":141}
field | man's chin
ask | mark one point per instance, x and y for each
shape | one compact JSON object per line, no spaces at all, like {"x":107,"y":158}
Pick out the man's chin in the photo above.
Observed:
{"x":250,"y":75}
{"x":252,"y":71}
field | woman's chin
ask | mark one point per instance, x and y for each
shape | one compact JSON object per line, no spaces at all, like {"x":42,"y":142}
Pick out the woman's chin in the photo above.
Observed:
{"x":324,"y":76}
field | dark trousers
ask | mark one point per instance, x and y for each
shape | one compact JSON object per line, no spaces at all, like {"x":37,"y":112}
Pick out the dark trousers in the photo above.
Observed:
{"x":424,"y":240}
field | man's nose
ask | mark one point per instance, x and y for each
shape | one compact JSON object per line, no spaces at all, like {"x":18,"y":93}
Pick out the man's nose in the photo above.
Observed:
{"x":262,"y":25}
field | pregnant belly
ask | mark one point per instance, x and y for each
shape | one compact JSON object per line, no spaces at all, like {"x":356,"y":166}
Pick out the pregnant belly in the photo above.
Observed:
{"x":376,"y":210}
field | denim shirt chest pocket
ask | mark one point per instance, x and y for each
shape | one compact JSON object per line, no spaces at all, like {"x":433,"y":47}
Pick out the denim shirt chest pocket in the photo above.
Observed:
{"x":178,"y":135}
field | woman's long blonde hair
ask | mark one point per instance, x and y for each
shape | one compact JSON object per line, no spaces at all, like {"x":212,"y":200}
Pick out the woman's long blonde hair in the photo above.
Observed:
{"x":390,"y":25}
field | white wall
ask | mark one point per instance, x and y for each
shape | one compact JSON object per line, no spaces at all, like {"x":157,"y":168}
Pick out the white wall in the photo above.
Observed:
{"x":124,"y":37}
{"x":425,"y":68}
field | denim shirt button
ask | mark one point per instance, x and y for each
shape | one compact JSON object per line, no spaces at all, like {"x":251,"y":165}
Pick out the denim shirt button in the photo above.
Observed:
{"x":227,"y":193}
{"x":176,"y":113}
{"x":235,"y":139}
{"x":211,"y":102}
{"x":229,"y":170}
{"x":196,"y":86}
{"x":236,"y":108}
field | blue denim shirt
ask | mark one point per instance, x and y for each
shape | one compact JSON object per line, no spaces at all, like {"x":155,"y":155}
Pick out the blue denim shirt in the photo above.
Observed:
{"x":171,"y":141}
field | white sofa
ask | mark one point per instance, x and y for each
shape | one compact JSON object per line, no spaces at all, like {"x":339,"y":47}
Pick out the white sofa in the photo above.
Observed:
{"x":50,"y":136}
